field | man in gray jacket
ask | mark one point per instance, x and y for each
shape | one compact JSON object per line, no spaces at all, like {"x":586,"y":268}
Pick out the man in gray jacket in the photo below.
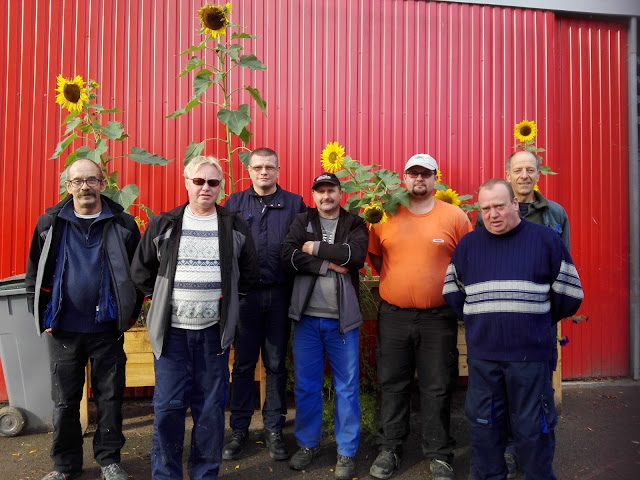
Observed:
{"x":325,"y":249}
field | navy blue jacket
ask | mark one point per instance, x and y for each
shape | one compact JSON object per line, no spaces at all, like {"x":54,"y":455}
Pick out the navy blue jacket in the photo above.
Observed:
{"x":269,"y":224}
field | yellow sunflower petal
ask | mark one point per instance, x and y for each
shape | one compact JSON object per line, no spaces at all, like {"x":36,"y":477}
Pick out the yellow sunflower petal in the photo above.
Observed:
{"x":213,"y":19}
{"x":332,"y":157}
{"x":72,"y":94}
{"x":374,"y":213}
{"x":525,"y":131}
{"x":448,"y":195}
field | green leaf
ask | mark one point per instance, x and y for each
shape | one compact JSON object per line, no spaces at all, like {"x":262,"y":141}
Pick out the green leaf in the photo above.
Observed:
{"x":110,"y":110}
{"x":70,"y":117}
{"x":244,"y":157}
{"x":112,"y":179}
{"x":62,"y":144}
{"x":194,"y":48}
{"x":236,"y":120}
{"x":140,"y":155}
{"x":146,"y":210}
{"x":201,"y":82}
{"x":233,"y":51}
{"x":546,"y":170}
{"x":70,"y":158}
{"x":85,"y":127}
{"x":352,"y":205}
{"x":62,"y":187}
{"x":242,"y":35}
{"x":192,"y":103}
{"x":245,"y":135}
{"x":71,"y":125}
{"x":255,"y":93}
{"x":462,"y":198}
{"x":113,"y":130}
{"x":251,"y":62}
{"x":125,"y":196}
{"x":193,"y":150}
{"x":192,"y":63}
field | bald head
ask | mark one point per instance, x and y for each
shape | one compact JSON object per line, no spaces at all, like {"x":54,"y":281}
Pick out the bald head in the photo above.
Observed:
{"x":85,"y":183}
{"x":523,"y":172}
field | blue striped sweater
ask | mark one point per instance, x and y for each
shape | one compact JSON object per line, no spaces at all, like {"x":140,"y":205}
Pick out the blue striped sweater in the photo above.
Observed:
{"x":510,"y":289}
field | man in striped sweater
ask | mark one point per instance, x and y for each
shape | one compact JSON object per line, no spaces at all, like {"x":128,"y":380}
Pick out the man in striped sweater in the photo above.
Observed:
{"x":511,"y":282}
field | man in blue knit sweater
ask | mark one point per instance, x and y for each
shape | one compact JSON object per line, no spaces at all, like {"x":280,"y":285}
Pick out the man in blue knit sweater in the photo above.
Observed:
{"x":511,"y":282}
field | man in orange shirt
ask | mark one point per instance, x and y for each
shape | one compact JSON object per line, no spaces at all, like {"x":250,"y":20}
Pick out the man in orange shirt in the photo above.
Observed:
{"x":416,"y":328}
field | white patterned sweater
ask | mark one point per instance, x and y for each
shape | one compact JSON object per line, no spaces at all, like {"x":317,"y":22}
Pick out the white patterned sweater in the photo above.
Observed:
{"x":198,"y":283}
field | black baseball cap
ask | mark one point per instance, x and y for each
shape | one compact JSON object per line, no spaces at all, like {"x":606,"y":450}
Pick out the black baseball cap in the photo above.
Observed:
{"x":325,"y":177}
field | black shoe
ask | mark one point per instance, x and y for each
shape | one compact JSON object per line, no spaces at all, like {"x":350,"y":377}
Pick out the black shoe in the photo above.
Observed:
{"x":233,"y":449}
{"x":441,"y":470}
{"x":274,"y":441}
{"x":384,"y":465}
{"x":345,"y":468}
{"x":303,"y":457}
{"x":512,"y":465}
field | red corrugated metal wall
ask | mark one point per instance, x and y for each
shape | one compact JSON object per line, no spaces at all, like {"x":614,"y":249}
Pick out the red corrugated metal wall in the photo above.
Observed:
{"x":385,"y":78}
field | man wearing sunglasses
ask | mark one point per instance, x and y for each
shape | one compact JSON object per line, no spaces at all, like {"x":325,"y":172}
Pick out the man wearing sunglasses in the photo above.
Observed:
{"x":264,"y":326}
{"x":80,"y":289}
{"x":416,"y":328}
{"x":195,"y":262}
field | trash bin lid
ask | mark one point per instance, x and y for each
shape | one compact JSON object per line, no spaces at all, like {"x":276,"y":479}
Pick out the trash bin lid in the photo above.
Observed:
{"x":12,"y":283}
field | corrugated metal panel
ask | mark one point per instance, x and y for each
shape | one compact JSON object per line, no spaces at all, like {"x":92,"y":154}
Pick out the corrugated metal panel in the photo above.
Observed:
{"x":386,"y":79}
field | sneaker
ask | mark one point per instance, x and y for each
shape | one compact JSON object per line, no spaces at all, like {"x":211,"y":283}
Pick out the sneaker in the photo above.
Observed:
{"x":384,"y":465}
{"x":512,"y":465}
{"x":233,"y":449}
{"x":113,"y":472}
{"x":303,"y":457}
{"x":441,"y":470}
{"x":55,"y":475}
{"x":345,"y":468}
{"x":278,"y":449}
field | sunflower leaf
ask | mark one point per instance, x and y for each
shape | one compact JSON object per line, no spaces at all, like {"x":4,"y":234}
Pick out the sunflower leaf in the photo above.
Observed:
{"x":140,"y":155}
{"x":181,"y":111}
{"x":70,"y":117}
{"x":255,"y":94}
{"x":244,"y":157}
{"x":62,"y":144}
{"x":84,"y":127}
{"x":242,"y":35}
{"x":110,"y":110}
{"x":113,"y":130}
{"x":251,"y":62}
{"x":192,"y":63}
{"x":462,"y":198}
{"x":195,"y":48}
{"x":245,"y":135}
{"x":201,"y":82}
{"x":236,"y":120}
{"x":71,"y":125}
{"x":146,"y":210}
{"x":125,"y":196}
{"x":193,"y":150}
{"x":233,"y":51}
{"x":546,"y":170}
{"x":80,"y":152}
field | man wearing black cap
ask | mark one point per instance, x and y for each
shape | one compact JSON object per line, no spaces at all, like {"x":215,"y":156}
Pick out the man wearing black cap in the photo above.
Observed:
{"x":325,"y":249}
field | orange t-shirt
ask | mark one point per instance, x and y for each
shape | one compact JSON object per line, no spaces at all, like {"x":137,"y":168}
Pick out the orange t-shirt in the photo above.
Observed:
{"x":415,"y":251}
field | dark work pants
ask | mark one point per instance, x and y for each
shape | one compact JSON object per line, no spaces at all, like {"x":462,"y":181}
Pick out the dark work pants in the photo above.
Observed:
{"x":426,"y":340}
{"x":263,"y":326}
{"x":69,"y":353}
{"x":522,"y":392}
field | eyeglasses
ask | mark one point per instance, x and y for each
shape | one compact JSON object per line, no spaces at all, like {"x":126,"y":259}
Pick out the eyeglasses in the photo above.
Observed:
{"x":426,"y":174}
{"x":91,"y":182}
{"x":212,"y":182}
{"x":259,"y":168}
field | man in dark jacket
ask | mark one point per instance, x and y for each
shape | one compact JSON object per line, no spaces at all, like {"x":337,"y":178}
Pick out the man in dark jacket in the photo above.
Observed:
{"x":80,"y":289}
{"x":264,"y":324}
{"x":194,"y":261}
{"x":325,"y":249}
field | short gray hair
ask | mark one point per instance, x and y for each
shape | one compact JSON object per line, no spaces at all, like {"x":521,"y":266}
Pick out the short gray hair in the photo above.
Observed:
{"x":197,"y":162}
{"x":508,"y":162}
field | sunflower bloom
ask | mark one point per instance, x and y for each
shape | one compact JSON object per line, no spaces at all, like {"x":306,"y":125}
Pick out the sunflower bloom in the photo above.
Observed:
{"x":535,"y":187}
{"x":438,"y":176}
{"x":448,"y":195}
{"x":374,"y":213}
{"x":214,"y":19}
{"x":525,"y":131}
{"x":72,"y":94}
{"x":332,"y":157}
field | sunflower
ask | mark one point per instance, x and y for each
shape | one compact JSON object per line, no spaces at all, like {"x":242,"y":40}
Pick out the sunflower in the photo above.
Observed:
{"x":438,"y":176}
{"x":332,"y":157}
{"x":535,"y":187}
{"x":448,"y":195}
{"x":374,"y":213}
{"x":71,"y":93}
{"x":525,"y":131}
{"x":214,"y":19}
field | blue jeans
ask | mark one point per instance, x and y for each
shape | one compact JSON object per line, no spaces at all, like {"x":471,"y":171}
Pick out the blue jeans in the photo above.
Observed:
{"x":312,"y":338}
{"x":518,"y":391}
{"x":264,"y":326}
{"x":193,"y":371}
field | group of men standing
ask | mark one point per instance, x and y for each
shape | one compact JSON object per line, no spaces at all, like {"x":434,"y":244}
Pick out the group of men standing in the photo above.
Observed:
{"x":238,"y":274}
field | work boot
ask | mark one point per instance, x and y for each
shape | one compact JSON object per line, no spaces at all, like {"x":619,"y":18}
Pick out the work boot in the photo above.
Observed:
{"x":385,"y":464}
{"x":345,"y":468}
{"x":233,"y":449}
{"x":441,"y":470}
{"x":303,"y":457}
{"x":278,"y":449}
{"x":113,"y":472}
{"x":55,"y":475}
{"x":512,"y":465}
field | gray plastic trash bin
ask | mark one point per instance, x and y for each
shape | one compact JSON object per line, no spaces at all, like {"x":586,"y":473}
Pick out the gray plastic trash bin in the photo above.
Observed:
{"x":25,"y":361}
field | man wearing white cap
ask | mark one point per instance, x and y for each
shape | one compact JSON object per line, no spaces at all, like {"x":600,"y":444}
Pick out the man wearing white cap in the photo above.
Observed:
{"x":416,"y":328}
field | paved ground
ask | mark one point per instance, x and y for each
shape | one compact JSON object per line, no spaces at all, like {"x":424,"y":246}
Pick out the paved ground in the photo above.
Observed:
{"x":598,"y":437}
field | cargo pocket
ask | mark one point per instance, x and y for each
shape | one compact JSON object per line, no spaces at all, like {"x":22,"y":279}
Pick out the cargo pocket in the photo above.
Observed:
{"x":548,"y":414}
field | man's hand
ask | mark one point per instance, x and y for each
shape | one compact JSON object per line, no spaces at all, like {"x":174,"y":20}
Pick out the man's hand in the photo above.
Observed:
{"x":308,"y":247}
{"x":338,"y":268}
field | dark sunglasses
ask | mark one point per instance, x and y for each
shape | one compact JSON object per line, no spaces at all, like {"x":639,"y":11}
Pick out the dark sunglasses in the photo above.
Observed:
{"x":212,"y":182}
